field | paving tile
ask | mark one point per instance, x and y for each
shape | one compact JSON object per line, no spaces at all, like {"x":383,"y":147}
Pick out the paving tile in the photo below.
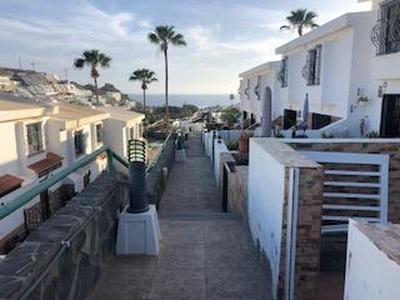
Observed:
{"x":204,"y":253}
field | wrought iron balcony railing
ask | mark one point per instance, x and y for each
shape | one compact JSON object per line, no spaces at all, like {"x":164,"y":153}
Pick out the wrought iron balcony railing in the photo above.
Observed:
{"x":385,"y":35}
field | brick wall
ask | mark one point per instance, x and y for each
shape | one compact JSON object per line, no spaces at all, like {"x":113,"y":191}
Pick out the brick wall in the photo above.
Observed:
{"x":237,"y":190}
{"x":307,"y":264}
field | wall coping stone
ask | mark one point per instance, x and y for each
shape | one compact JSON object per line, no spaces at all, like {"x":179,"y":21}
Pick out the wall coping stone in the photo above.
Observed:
{"x":285,"y":154}
{"x":340,"y":141}
{"x":25,"y":263}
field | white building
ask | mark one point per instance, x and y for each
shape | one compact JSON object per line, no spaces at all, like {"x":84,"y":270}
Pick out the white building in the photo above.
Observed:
{"x":331,"y":65}
{"x":25,"y":157}
{"x":348,"y":67}
{"x":383,"y":89}
{"x":253,"y":86}
{"x":120,"y":127}
{"x":74,"y":132}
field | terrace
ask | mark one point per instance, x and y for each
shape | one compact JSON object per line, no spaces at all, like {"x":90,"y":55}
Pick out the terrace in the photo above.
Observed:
{"x":204,"y":254}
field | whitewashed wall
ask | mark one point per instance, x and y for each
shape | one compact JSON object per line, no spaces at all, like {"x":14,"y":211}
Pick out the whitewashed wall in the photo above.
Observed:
{"x":115,"y":137}
{"x":8,"y":149}
{"x":219,"y":148}
{"x":252,"y":104}
{"x":265,"y":207}
{"x":370,"y":273}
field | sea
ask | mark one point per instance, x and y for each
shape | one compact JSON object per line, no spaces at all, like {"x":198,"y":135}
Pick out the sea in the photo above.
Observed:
{"x":200,"y":101}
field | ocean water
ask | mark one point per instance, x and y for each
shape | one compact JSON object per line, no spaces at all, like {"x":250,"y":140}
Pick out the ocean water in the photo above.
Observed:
{"x":179,"y":100}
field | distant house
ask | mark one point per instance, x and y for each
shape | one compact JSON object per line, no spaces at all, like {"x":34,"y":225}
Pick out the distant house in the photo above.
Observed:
{"x":122,"y":126}
{"x":74,"y":132}
{"x":25,"y":158}
{"x":110,"y":91}
{"x":6,"y":84}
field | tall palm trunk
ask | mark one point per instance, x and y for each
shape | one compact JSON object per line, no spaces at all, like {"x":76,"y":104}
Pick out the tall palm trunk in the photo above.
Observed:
{"x":300,"y":30}
{"x":166,"y":91}
{"x":144,"y":102}
{"x":96,"y":90}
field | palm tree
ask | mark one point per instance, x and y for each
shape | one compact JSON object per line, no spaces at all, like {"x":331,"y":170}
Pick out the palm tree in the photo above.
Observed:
{"x":163,"y":36}
{"x":300,"y":19}
{"x":93,"y":59}
{"x":145,"y":76}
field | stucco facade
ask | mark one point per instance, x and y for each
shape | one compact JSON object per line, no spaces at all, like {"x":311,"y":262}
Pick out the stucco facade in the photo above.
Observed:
{"x":347,"y":68}
{"x":253,"y":85}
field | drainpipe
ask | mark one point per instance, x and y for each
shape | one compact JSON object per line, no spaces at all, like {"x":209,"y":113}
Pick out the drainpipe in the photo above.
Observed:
{"x":138,"y":202}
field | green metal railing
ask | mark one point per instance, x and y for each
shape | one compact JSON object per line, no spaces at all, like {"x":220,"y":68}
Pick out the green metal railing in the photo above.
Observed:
{"x":23,"y":199}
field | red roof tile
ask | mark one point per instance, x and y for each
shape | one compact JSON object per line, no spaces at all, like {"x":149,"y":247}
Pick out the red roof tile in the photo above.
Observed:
{"x":44,"y":166}
{"x":9,"y":183}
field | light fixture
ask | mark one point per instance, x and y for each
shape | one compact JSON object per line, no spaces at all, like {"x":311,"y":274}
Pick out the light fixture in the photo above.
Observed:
{"x":380,"y":91}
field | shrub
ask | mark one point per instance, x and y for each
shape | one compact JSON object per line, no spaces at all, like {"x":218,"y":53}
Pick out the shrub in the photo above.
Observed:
{"x":233,"y":145}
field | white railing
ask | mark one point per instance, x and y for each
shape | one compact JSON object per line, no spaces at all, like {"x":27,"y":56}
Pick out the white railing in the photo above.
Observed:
{"x":355,"y":186}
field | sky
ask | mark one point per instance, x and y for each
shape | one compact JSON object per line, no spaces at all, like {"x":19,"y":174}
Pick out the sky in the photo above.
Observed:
{"x":224,"y":38}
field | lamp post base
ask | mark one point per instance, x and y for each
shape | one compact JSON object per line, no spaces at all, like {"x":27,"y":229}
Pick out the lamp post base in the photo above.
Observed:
{"x":139,"y":233}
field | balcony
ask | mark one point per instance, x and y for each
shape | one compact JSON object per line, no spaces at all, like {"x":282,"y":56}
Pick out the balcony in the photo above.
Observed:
{"x":385,"y":35}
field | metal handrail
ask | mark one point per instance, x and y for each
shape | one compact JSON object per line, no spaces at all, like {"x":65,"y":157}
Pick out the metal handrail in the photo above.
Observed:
{"x":154,"y":162}
{"x":23,"y":199}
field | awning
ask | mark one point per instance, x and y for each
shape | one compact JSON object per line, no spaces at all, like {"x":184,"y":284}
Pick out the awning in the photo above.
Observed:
{"x":45,"y":166}
{"x":9,"y":183}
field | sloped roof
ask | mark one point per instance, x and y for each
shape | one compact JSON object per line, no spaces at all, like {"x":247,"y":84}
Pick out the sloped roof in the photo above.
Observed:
{"x":123,"y":115}
{"x":74,"y":116}
{"x":44,"y":166}
{"x":13,"y":107}
{"x":9,"y":183}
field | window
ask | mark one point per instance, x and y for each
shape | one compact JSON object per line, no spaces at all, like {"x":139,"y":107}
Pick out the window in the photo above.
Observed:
{"x":99,"y":134}
{"x":312,"y":69}
{"x":35,"y":138}
{"x":247,"y":90}
{"x":283,"y":73}
{"x":79,"y":143}
{"x":386,"y":33}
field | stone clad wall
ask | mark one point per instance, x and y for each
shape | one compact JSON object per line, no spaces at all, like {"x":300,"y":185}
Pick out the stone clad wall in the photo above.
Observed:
{"x":237,"y":190}
{"x":380,"y":146}
{"x":88,"y":226}
{"x":307,"y":264}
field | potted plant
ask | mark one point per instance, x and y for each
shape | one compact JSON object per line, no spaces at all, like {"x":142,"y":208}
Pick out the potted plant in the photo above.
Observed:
{"x":244,"y":137}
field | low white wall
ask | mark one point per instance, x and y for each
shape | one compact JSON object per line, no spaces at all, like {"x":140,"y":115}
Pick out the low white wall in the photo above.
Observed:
{"x":219,"y":147}
{"x":370,"y":273}
{"x":266,"y":197}
{"x":228,"y":135}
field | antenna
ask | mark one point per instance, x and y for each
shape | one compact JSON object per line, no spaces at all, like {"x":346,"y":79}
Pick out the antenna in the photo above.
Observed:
{"x":34,"y":64}
{"x":20,"y":63}
{"x":66,"y":73}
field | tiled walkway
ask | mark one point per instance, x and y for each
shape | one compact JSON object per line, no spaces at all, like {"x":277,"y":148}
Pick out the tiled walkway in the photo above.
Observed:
{"x":205,"y":254}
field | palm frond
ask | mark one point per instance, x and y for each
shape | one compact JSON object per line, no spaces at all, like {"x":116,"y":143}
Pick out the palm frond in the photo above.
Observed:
{"x":79,"y":63}
{"x":153,"y":38}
